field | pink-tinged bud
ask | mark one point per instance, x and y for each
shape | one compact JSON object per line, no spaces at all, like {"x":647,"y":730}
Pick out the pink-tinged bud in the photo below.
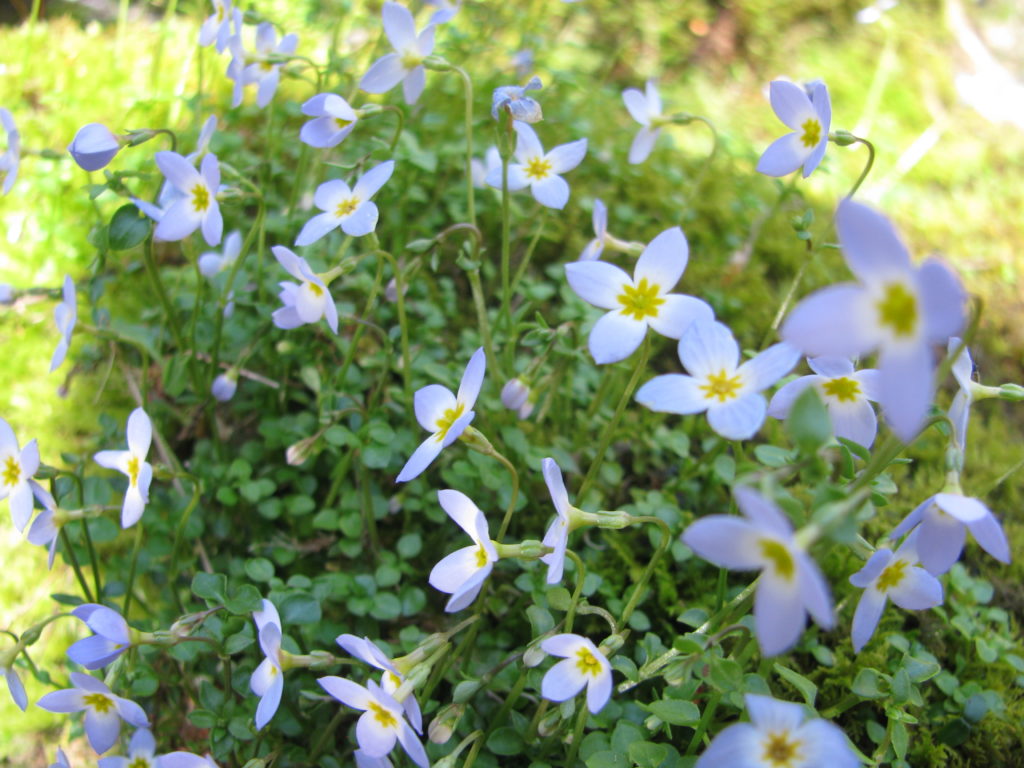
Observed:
{"x":515,"y":394}
{"x":94,"y":146}
{"x":224,"y":386}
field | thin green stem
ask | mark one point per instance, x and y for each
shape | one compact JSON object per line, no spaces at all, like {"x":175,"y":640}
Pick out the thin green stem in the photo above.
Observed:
{"x":521,"y":269}
{"x":69,"y":550}
{"x":403,"y":327}
{"x":867,"y":165}
{"x":513,"y":498}
{"x":577,"y":735}
{"x":398,"y":126}
{"x":93,"y":560}
{"x":370,"y":519}
{"x":169,"y":315}
{"x":506,"y":250}
{"x":357,"y":334}
{"x":467,"y":86}
{"x":666,"y":539}
{"x":705,"y":720}
{"x":179,"y":532}
{"x":581,"y":574}
{"x":476,"y":287}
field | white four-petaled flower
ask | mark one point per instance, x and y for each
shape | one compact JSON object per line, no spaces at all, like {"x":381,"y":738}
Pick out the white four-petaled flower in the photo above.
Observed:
{"x":790,"y":585}
{"x":333,"y":120}
{"x":462,"y":573}
{"x":808,"y":114}
{"x":304,"y":302}
{"x":217,"y":26}
{"x":261,"y":66}
{"x":639,"y":301}
{"x":142,"y":754}
{"x":897,"y":308}
{"x":646,"y":110}
{"x":133,"y":463}
{"x":103,"y":709}
{"x":583,"y":665}
{"x":267,"y":679}
{"x":195,"y":205}
{"x":65,"y":315}
{"x":557,"y":534}
{"x":444,"y":415}
{"x":718,"y":383}
{"x":365,"y":649}
{"x":405,"y":65}
{"x":17,"y":466}
{"x":350,"y":209}
{"x":540,"y":171}
{"x":112,"y":638}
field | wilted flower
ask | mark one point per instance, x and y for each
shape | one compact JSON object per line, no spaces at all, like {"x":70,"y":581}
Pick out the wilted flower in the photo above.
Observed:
{"x":350,"y":209}
{"x":333,"y":120}
{"x":65,"y":315}
{"x":513,"y":98}
{"x":539,"y":171}
{"x":444,"y":415}
{"x":195,"y":205}
{"x":808,"y":113}
{"x":267,"y":679}
{"x":210,"y":263}
{"x":778,"y":737}
{"x":11,"y":157}
{"x":406,"y":64}
{"x":897,"y":308}
{"x":646,"y":110}
{"x":306,"y":302}
{"x":133,"y":463}
{"x":583,"y":665}
{"x":224,"y":386}
{"x":790,"y":585}
{"x":103,"y":710}
{"x":17,"y":466}
{"x":94,"y":146}
{"x":462,"y":573}
{"x":634,"y":303}
{"x":112,"y":638}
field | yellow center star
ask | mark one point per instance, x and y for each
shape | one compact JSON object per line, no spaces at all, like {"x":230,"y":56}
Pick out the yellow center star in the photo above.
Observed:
{"x":481,"y":557}
{"x":411,"y":60}
{"x":781,"y":751}
{"x":538,"y":168}
{"x":345,"y":207}
{"x":897,"y":310}
{"x":341,"y":124}
{"x":779,"y":558}
{"x":11,"y":471}
{"x":139,"y":762}
{"x":892,"y":576}
{"x":200,"y":198}
{"x":100,"y":703}
{"x":811,"y":133}
{"x":842,"y":389}
{"x":133,"y":471}
{"x":587,"y":663}
{"x":315,"y":289}
{"x":383,"y":716}
{"x":641,"y":301}
{"x":449,"y":417}
{"x":722,"y":386}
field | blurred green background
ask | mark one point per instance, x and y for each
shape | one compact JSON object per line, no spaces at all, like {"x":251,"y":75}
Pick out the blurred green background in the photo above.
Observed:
{"x":937,"y":86}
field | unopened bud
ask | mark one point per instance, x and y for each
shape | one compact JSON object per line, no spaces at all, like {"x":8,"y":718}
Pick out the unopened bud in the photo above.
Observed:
{"x":534,"y":656}
{"x":1011,"y":392}
{"x":465,"y":690}
{"x":225,"y":386}
{"x":475,"y":439}
{"x":611,"y":644}
{"x":94,"y":146}
{"x":514,"y":394}
{"x":444,"y":724}
{"x":549,"y":723}
{"x":299,"y":452}
{"x":843,"y":138}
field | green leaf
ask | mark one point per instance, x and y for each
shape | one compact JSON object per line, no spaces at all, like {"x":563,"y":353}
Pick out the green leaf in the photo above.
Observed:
{"x":244,"y":600}
{"x":300,"y":608}
{"x":808,"y":423}
{"x":607,"y":759}
{"x":866,"y":684}
{"x":505,"y":741}
{"x":900,"y":739}
{"x":409,"y":545}
{"x":807,"y":689}
{"x":202,"y":718}
{"x":675,"y":711}
{"x":901,"y":686}
{"x":647,"y":754}
{"x":387,"y":575}
{"x":210,"y":586}
{"x":128,"y":227}
{"x":259,"y":569}
{"x":386,"y":607}
{"x":237,"y":642}
{"x":559,"y":598}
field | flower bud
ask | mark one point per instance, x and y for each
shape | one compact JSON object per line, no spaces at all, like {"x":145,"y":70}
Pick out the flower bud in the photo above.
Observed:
{"x":94,"y":146}
{"x":843,"y":138}
{"x":391,"y":290}
{"x":515,"y":394}
{"x":298,"y":453}
{"x":444,"y":724}
{"x":550,"y":722}
{"x":224,"y":386}
{"x":534,"y":656}
{"x":475,"y":439}
{"x":1012,"y":392}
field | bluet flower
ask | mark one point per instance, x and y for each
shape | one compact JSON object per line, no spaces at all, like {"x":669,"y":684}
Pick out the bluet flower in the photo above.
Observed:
{"x":211,"y":262}
{"x":112,"y":638}
{"x":65,"y":315}
{"x":444,"y":415}
{"x":405,"y":65}
{"x":196,"y":204}
{"x":557,"y":534}
{"x":514,"y":100}
{"x":17,"y":466}
{"x":778,"y":736}
{"x":583,"y":665}
{"x":262,"y":66}
{"x":646,"y":109}
{"x":462,"y":573}
{"x":217,"y":26}
{"x":540,"y":171}
{"x":638,"y":302}
{"x":960,"y":409}
{"x":224,"y":386}
{"x":267,"y":679}
{"x":304,"y":302}
{"x":103,"y":710}
{"x":808,"y":114}
{"x":897,"y":308}
{"x":94,"y":146}
{"x":350,"y":209}
{"x":790,"y":585}
{"x":595,"y":247}
{"x":11,"y":157}
{"x":365,"y":649}
{"x":133,"y":463}
{"x":142,"y":754}
{"x":14,"y":686}
{"x":333,"y":120}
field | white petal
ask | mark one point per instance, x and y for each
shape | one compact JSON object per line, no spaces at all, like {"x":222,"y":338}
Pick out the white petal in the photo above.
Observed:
{"x":270,"y":701}
{"x":728,"y":542}
{"x":412,"y":746}
{"x":316,"y":228}
{"x":906,"y":388}
{"x":783,"y":156}
{"x":783,"y":400}
{"x":600,"y":219}
{"x":643,"y":144}
{"x":917,"y":591}
{"x":653,"y":97}
{"x":556,"y":537}
{"x":462,"y":510}
{"x":707,"y":348}
{"x":854,"y":421}
{"x":420,"y":459}
{"x":562,"y":681}
{"x":365,"y":649}
{"x":825,"y":744}
{"x":779,"y":615}
{"x":266,"y":615}
{"x":912,"y":519}
{"x":413,"y":85}
{"x":385,"y":74}
{"x":348,"y":693}
{"x":735,"y":745}
{"x":178,"y":170}
{"x":565,"y":157}
{"x":102,"y":730}
{"x":943,"y":300}
{"x":664,"y":260}
{"x":472,"y":379}
{"x":464,"y":596}
{"x":329,"y":194}
{"x":268,"y":86}
{"x":770,"y":365}
{"x":430,"y":404}
{"x":770,"y":714}
{"x":865,"y":618}
{"x":455,"y":569}
{"x":814,"y":591}
{"x":599,"y":690}
{"x":870,"y":243}
{"x":399,"y":26}
{"x":831,"y":367}
{"x":564,"y":644}
{"x":832,"y":321}
{"x":140,"y":433}
{"x":873,"y":568}
{"x":552,"y":192}
{"x":133,"y":507}
{"x":528,"y":146}
{"x":636,"y":103}
{"x":615,"y":336}
{"x":791,"y":103}
{"x":672,"y":393}
{"x":17,"y":690}
{"x":990,"y":536}
{"x":362,"y":221}
{"x":738,"y":419}
{"x":597,"y":282}
{"x":374,"y":739}
{"x":371,"y":181}
{"x":940,"y":540}
{"x":762,"y":512}
{"x":178,"y":222}
{"x":63,"y":701}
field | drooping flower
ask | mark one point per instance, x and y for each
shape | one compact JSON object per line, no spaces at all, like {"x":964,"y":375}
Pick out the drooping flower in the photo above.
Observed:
{"x":267,"y":679}
{"x":17,"y":466}
{"x":94,"y":146}
{"x":224,"y":386}
{"x":595,"y":247}
{"x":717,"y":382}
{"x":790,"y":585}
{"x":583,"y":665}
{"x":462,"y":573}
{"x":333,"y":120}
{"x":65,"y":315}
{"x":539,"y":171}
{"x":217,"y":26}
{"x":103,"y":709}
{"x":646,"y":109}
{"x":808,"y":113}
{"x":846,"y":394}
{"x":513,"y":99}
{"x":778,"y":736}
{"x":887,"y":575}
{"x":405,"y":65}
{"x":897,"y":308}
{"x":11,"y":157}
{"x":304,"y":302}
{"x":444,"y":415}
{"x":112,"y":638}
{"x":638,"y":302}
{"x":942,"y":523}
{"x":195,"y":205}
{"x":960,"y":409}
{"x":142,"y":754}
{"x":365,"y":649}
{"x":133,"y":463}
{"x":382,"y":722}
{"x":350,"y":209}
{"x":211,"y":262}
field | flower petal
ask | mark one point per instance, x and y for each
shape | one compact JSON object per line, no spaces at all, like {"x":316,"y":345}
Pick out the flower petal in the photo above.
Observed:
{"x":464,"y":596}
{"x":833,"y":321}
{"x":636,"y":103}
{"x":728,"y":542}
{"x":316,"y":228}
{"x":454,"y":570}
{"x":664,"y":260}
{"x":430,"y":403}
{"x":738,"y":419}
{"x":762,"y":512}
{"x":643,"y":144}
{"x":472,"y":379}
{"x":872,"y":568}
{"x":348,"y":693}
{"x":362,"y":221}
{"x":990,"y":536}
{"x":412,"y":745}
{"x":906,"y":387}
{"x":672,"y":393}
{"x":865,"y":618}
{"x":420,"y":459}
{"x":917,"y":591}
{"x":870,"y":243}
{"x":770,"y":365}
{"x":814,"y":591}
{"x":940,"y":540}
{"x":552,"y":192}
{"x":791,"y":103}
{"x":140,"y":433}
{"x":597,"y":282}
{"x":528,"y":146}
{"x":565,"y":157}
{"x":385,"y":73}
{"x":778,"y":614}
{"x":371,"y":181}
{"x":943,"y":300}
{"x":462,"y":510}
{"x":707,"y":348}
{"x":599,"y":690}
{"x":783,"y":156}
{"x":854,"y":421}
{"x":269,"y":702}
{"x":562,"y":681}
{"x":783,"y":400}
{"x":399,"y":26}
{"x":770,"y":714}
{"x":102,"y":729}
{"x":17,"y":690}
{"x":615,"y":336}
{"x":177,"y":170}
{"x":556,"y":486}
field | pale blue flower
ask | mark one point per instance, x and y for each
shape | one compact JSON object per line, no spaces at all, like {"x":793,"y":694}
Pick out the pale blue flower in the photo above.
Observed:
{"x":462,"y":573}
{"x":595,"y":247}
{"x":62,"y":760}
{"x":262,"y":65}
{"x":195,"y":205}
{"x":348,"y":208}
{"x":365,"y":649}
{"x":224,"y":387}
{"x":267,"y":679}
{"x":582,"y":666}
{"x":17,"y":466}
{"x":112,"y":638}
{"x":217,"y":26}
{"x":405,"y":65}
{"x":133,"y":463}
{"x":210,"y":263}
{"x":646,"y":109}
{"x":11,"y":157}
{"x":103,"y":710}
{"x":65,"y":315}
{"x":808,"y":114}
{"x":960,"y":409}
{"x":142,"y":754}
{"x":304,"y":302}
{"x":513,"y":98}
{"x":540,"y":171}
{"x":333,"y":120}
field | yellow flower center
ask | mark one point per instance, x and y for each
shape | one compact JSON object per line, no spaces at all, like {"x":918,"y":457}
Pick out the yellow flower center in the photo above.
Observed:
{"x":393,"y":680}
{"x":641,"y":301}
{"x":220,"y":13}
{"x":842,"y":389}
{"x":779,"y":558}
{"x":99,"y":702}
{"x":411,"y":59}
{"x":200,"y":198}
{"x":481,"y":557}
{"x":449,"y":417}
{"x":383,"y":716}
{"x":139,"y":762}
{"x":812,"y":133}
{"x":133,"y":471}
{"x":897,"y":309}
{"x":345,"y":207}
{"x":341,"y":124}
{"x":780,"y":751}
{"x":538,"y":168}
{"x":721,"y":386}
{"x":11,"y":471}
{"x":892,"y":576}
{"x":587,"y":663}
{"x":266,"y":66}
{"x":315,"y":289}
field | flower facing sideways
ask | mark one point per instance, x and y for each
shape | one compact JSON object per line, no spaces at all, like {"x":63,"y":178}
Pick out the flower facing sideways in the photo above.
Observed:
{"x":778,"y":736}
{"x":514,"y":100}
{"x":540,"y":171}
{"x":17,"y":465}
{"x":646,"y":110}
{"x":103,"y":710}
{"x":65,"y":315}
{"x":304,"y":302}
{"x":350,"y":209}
{"x":94,"y":146}
{"x":10,"y":159}
{"x":638,"y":302}
{"x":583,"y":665}
{"x":444,"y":415}
{"x":960,"y":409}
{"x":132,"y":463}
{"x":717,"y":383}
{"x":267,"y":679}
{"x":112,"y":638}
{"x":808,"y":114}
{"x":211,"y":263}
{"x":897,"y":576}
{"x":462,"y":573}
{"x":195,"y":206}
{"x":405,"y":65}
{"x":333,"y":120}
{"x":557,"y":534}
{"x":366,"y":650}
{"x":14,"y":686}
{"x":595,"y":247}
{"x":261,"y":66}
{"x":142,"y":754}
{"x":790,"y":585}
{"x":217,"y":26}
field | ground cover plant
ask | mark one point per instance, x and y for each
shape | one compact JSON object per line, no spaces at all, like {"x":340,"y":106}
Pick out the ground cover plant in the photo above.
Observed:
{"x":344,"y":302}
